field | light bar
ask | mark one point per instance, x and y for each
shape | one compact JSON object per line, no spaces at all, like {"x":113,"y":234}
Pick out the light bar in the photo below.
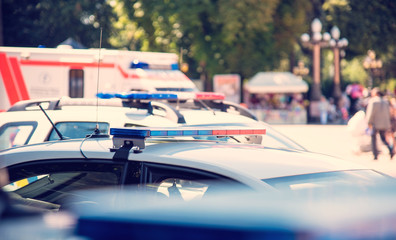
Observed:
{"x":209,"y":96}
{"x":105,"y":95}
{"x":136,"y":64}
{"x":172,"y":95}
{"x":199,"y":95}
{"x":183,"y":132}
{"x":137,"y":135}
{"x":138,"y":96}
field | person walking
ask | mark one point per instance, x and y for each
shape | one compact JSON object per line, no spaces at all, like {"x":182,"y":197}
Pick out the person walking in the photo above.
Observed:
{"x":379,"y":121}
{"x":323,"y":109}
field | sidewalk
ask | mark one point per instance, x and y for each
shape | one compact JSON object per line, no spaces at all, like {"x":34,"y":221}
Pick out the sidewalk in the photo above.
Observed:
{"x":335,"y":140}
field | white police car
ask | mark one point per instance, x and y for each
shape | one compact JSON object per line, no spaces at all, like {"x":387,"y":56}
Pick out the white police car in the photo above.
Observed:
{"x":46,"y":174}
{"x":24,"y":123}
{"x":210,"y":109}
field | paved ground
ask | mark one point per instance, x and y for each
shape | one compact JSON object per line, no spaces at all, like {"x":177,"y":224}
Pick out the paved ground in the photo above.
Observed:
{"x":337,"y":141}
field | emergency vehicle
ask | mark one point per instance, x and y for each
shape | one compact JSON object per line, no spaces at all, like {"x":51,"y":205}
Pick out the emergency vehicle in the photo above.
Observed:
{"x":31,"y":73}
{"x":170,"y":163}
{"x":25,"y":123}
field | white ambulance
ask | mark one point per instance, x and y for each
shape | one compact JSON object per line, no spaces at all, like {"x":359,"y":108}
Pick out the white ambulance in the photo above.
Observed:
{"x":32,"y":73}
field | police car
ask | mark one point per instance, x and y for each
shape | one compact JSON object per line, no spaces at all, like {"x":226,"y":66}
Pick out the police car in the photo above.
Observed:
{"x":26,"y":123}
{"x":168,"y":162}
{"x":211,"y":109}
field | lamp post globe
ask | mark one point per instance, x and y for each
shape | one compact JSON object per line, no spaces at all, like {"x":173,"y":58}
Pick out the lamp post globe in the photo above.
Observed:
{"x":317,"y":41}
{"x":335,"y":32}
{"x":316,"y":25}
{"x":372,"y":65}
{"x":337,"y":45}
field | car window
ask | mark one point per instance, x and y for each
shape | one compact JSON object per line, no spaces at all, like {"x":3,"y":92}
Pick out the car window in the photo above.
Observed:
{"x":49,"y":184}
{"x":327,"y":181}
{"x":16,"y":134}
{"x":133,"y":125}
{"x":182,"y":189}
{"x":77,"y":129}
{"x":182,"y":183}
{"x":275,"y":139}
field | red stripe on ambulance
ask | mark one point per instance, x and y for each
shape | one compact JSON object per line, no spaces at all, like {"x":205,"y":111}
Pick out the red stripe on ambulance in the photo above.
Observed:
{"x":19,"y":78}
{"x":9,"y":80}
{"x":69,"y":64}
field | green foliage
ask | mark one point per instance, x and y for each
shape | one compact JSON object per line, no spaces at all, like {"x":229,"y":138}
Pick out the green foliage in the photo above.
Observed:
{"x":212,"y":36}
{"x":221,"y":36}
{"x":290,"y":21}
{"x":353,"y":71}
{"x":30,"y":23}
{"x":367,"y":24}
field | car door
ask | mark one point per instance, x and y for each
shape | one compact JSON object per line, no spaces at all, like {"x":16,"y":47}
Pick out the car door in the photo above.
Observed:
{"x":49,"y":184}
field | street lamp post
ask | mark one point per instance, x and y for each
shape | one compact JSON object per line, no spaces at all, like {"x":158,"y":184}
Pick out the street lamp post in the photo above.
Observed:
{"x":315,"y":43}
{"x":372,"y":65}
{"x":337,"y":44}
{"x":300,"y":70}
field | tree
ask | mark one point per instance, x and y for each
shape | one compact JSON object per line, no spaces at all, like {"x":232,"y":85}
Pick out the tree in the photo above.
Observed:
{"x":367,"y":25}
{"x":291,"y":19}
{"x":43,"y":22}
{"x":220,"y":36}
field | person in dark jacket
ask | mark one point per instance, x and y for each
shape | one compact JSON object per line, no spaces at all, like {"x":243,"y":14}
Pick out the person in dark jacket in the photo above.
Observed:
{"x":379,"y":121}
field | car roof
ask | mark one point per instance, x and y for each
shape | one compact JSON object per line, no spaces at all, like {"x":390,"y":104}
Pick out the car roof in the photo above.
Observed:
{"x":96,"y":104}
{"x":115,"y":115}
{"x":241,"y":161}
{"x":119,"y":112}
{"x":206,"y":116}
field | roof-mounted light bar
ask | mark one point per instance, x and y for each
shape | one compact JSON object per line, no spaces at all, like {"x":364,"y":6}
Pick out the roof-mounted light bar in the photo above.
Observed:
{"x":164,"y":95}
{"x":105,"y":95}
{"x":138,"y":96}
{"x":183,"y":132}
{"x":120,"y":135}
{"x":136,"y":64}
{"x":209,"y":96}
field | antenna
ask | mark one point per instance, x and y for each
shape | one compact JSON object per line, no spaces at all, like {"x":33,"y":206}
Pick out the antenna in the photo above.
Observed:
{"x":52,"y":123}
{"x":97,"y":85}
{"x":96,"y":133}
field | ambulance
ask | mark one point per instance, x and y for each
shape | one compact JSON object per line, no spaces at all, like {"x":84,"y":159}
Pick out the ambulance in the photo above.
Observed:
{"x":35,"y":73}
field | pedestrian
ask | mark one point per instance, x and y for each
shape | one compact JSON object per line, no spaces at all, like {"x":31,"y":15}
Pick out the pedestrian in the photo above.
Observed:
{"x":323,"y":109}
{"x":379,"y":121}
{"x":332,"y":111}
{"x":354,"y":92}
{"x":392,"y":104}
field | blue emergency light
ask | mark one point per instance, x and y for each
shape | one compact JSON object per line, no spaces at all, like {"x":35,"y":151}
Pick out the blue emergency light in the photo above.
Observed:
{"x":137,"y":64}
{"x":138,"y":96}
{"x":105,"y":95}
{"x":144,"y":65}
{"x":174,"y":66}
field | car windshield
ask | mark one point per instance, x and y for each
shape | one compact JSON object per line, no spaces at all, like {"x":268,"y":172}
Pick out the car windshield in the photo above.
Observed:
{"x":77,"y":129}
{"x":328,"y":181}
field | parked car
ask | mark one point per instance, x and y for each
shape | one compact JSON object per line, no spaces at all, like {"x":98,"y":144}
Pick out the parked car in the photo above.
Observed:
{"x":169,"y":162}
{"x":210,"y":108}
{"x":26,"y":123}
